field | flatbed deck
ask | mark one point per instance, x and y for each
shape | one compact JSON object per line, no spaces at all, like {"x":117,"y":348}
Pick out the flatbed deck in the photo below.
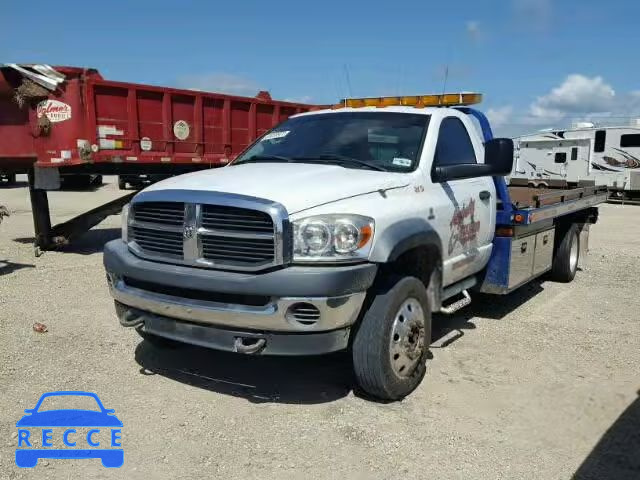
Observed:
{"x":529,"y":205}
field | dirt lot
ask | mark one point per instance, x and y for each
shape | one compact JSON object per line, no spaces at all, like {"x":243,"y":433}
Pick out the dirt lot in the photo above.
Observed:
{"x":540,"y":384}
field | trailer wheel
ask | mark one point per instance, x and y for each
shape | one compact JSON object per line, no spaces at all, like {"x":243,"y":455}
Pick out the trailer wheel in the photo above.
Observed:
{"x":391,"y":346}
{"x":11,"y":179}
{"x":159,"y":342}
{"x":567,"y":255}
{"x":122,"y":184}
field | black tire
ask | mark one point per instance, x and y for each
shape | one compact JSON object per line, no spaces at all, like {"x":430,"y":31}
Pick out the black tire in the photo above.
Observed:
{"x":122,"y":184}
{"x":372,"y":349}
{"x":11,"y":179}
{"x":159,"y":342}
{"x":98,"y":181}
{"x":567,"y":254}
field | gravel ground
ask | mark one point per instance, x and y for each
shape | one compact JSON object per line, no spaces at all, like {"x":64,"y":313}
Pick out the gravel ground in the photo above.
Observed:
{"x":539,"y":384}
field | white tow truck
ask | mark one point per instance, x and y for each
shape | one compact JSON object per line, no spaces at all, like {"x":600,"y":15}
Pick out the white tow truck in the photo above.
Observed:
{"x":343,"y":229}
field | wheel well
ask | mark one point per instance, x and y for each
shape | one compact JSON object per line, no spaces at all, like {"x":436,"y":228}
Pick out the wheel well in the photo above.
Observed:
{"x":423,"y":262}
{"x":586,"y":216}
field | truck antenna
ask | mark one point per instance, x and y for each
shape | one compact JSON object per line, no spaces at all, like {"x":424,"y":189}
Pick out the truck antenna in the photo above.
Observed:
{"x":446,"y":77}
{"x":348,"y":79}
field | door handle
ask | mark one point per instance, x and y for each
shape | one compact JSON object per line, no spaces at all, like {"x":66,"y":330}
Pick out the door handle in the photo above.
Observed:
{"x":485,"y":195}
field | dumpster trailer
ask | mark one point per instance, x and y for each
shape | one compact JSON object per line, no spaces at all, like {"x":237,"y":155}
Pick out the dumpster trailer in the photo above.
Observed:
{"x":58,"y":121}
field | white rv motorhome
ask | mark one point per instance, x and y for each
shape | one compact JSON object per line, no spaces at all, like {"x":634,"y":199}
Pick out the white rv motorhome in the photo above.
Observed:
{"x":584,"y":154}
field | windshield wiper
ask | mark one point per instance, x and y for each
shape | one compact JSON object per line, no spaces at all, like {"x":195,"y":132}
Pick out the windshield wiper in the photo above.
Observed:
{"x":264,"y":158}
{"x":322,"y":158}
{"x":341,"y":159}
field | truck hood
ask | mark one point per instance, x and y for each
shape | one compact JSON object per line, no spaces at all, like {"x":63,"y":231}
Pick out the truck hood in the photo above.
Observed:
{"x":297,"y":186}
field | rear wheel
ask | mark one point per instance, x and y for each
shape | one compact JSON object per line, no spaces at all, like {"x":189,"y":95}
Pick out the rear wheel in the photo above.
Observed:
{"x":122,"y":183}
{"x":11,"y":179}
{"x":567,"y":255}
{"x":391,"y":346}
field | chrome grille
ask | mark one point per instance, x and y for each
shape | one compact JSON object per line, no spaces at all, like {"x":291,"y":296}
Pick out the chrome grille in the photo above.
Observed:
{"x":207,"y":235}
{"x":157,"y":241}
{"x":164,"y":213}
{"x":234,"y":219}
{"x":242,"y":250}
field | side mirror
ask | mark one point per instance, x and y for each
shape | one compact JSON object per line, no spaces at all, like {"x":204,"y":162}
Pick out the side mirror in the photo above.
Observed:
{"x":498,"y":153}
{"x":498,"y":160}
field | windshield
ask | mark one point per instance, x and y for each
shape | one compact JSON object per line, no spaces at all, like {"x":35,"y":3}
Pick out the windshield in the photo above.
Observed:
{"x":386,"y":141}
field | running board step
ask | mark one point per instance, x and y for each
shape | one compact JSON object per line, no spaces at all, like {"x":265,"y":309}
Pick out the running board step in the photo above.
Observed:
{"x":457,"y":305}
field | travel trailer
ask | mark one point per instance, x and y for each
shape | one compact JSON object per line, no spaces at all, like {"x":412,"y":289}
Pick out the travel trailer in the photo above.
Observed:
{"x":582,"y":155}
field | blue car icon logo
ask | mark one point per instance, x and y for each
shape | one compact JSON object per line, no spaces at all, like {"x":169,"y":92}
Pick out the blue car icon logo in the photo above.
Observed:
{"x":83,"y":432}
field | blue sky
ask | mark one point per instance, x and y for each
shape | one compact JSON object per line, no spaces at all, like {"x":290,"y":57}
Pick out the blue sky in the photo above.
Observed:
{"x":539,"y":62}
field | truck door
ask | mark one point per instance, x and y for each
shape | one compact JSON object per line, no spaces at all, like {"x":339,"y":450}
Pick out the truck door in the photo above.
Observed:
{"x":466,"y":216}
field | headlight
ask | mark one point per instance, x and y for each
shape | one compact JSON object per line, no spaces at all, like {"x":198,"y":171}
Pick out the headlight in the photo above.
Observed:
{"x":125,"y":223}
{"x":332,"y":238}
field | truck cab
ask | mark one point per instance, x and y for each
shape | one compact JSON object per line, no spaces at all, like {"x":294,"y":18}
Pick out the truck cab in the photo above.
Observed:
{"x":339,"y":229}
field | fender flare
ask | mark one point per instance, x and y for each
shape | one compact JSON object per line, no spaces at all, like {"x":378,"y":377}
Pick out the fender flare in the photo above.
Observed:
{"x":402,"y":236}
{"x":407,"y":235}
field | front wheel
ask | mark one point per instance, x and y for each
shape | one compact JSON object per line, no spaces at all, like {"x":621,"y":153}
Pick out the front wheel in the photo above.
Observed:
{"x":391,"y":346}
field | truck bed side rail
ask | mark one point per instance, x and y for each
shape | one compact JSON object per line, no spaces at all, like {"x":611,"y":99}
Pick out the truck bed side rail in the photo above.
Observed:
{"x":535,"y":207}
{"x":523,"y":197}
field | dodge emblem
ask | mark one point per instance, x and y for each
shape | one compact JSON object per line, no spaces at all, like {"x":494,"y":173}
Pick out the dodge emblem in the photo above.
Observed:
{"x":189,"y":230}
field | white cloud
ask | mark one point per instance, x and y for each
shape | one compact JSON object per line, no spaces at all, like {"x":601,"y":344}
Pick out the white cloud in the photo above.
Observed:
{"x":577,"y":95}
{"x":577,"y":98}
{"x":474,"y":31}
{"x":220,"y":83}
{"x":500,"y":116}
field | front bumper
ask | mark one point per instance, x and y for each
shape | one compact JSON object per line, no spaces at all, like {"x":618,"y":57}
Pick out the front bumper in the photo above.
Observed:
{"x":206,"y":307}
{"x":239,"y":341}
{"x":332,"y":312}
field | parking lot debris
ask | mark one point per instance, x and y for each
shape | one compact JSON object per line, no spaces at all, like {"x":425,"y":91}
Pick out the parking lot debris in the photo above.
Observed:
{"x":40,"y":327}
{"x":4,"y":212}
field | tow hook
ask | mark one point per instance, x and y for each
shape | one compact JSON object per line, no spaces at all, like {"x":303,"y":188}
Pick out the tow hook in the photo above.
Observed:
{"x":128,"y":316}
{"x":131,"y":319}
{"x":249,"y":345}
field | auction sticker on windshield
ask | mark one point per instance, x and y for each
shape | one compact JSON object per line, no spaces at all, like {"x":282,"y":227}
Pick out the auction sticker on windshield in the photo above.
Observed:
{"x":69,"y":425}
{"x":275,"y":135}
{"x":402,"y":162}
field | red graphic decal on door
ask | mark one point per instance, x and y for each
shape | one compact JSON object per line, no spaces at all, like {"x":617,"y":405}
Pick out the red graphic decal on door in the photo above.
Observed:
{"x":464,"y":227}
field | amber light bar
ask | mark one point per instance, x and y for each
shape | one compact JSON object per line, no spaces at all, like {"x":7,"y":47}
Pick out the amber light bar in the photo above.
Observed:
{"x":417,"y":101}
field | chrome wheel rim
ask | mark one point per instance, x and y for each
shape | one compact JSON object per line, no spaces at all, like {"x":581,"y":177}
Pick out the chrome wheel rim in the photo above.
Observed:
{"x":573,"y":254}
{"x":407,"y":342}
